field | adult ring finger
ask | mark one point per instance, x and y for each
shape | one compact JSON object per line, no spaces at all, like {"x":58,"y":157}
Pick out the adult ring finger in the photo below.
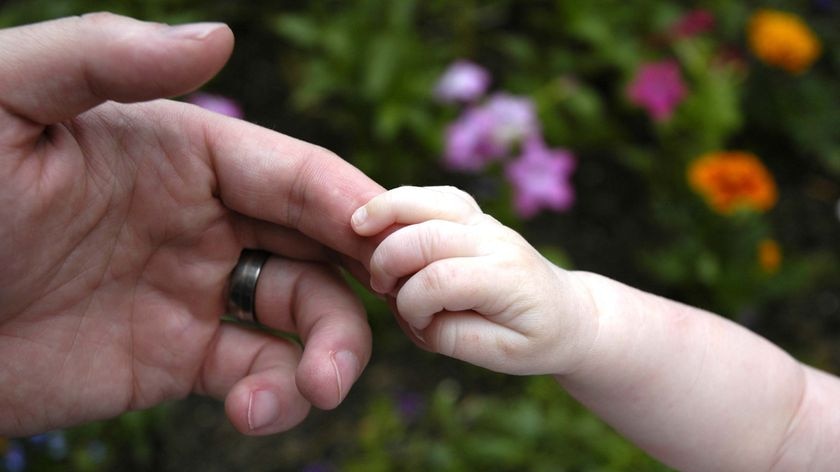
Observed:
{"x":243,"y":285}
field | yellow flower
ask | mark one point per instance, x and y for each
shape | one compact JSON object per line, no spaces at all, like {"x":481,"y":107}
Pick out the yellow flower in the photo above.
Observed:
{"x":783,"y":40}
{"x":769,"y":256}
{"x":731,"y":180}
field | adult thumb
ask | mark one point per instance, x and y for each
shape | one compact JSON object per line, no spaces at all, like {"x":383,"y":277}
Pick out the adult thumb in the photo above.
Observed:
{"x":55,"y":70}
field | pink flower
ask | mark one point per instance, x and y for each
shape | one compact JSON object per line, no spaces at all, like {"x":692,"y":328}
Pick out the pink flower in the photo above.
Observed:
{"x":693,"y":23}
{"x":514,"y":119}
{"x":541,"y":179}
{"x":463,"y":81}
{"x":469,"y":146}
{"x":658,"y":87}
{"x":489,"y":132}
{"x":217,"y":103}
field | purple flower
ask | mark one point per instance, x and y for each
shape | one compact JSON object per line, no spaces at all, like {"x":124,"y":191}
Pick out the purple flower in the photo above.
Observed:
{"x":319,"y":467}
{"x":693,"y":23}
{"x":468,"y":143}
{"x":57,"y":446}
{"x":658,"y":87}
{"x":463,"y":81}
{"x":39,"y":439}
{"x":541,"y":179}
{"x":217,"y":103}
{"x":824,"y":6}
{"x":15,"y":458}
{"x":410,"y":405}
{"x":483,"y":134}
{"x":515,"y":119}
{"x":54,"y":442}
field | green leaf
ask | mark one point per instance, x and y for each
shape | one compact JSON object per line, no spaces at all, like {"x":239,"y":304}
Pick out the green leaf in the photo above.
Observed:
{"x":302,"y":30}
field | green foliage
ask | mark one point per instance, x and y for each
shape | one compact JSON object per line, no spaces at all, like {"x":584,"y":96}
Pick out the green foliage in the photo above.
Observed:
{"x":540,"y":429}
{"x":371,"y":67}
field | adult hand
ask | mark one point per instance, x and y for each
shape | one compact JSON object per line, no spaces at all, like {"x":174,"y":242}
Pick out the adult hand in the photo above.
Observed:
{"x":120,"y":224}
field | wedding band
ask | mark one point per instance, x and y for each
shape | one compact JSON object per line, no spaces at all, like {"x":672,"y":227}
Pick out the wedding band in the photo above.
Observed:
{"x":243,"y":285}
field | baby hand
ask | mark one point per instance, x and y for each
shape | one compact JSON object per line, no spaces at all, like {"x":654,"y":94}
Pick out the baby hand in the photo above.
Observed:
{"x":475,"y":289}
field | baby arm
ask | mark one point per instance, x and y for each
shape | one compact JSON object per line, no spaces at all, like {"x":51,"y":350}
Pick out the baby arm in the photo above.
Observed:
{"x":693,"y":389}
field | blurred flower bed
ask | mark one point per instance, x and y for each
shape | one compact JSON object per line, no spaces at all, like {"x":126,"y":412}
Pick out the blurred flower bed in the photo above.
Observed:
{"x":692,"y":152}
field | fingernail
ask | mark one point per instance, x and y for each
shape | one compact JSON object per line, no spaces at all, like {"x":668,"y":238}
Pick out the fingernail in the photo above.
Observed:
{"x":197,"y":31}
{"x":263,"y":409}
{"x":346,"y":367}
{"x":359,"y":217}
{"x":417,"y":333}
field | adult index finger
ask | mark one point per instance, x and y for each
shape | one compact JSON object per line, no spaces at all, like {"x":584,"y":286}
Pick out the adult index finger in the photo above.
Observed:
{"x":283,"y":180}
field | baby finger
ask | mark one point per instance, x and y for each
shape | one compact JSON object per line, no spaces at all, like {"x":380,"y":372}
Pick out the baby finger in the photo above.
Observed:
{"x":410,"y":205}
{"x":454,"y":284}
{"x":411,"y":248}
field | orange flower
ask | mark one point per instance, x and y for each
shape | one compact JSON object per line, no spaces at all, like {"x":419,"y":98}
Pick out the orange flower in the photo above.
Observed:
{"x":769,"y":256}
{"x":731,"y":180}
{"x":783,"y":40}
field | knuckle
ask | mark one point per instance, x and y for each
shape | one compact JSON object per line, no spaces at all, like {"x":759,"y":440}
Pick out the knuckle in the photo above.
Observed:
{"x":436,"y":278}
{"x":428,"y":239}
{"x":105,"y":19}
{"x":401,"y":192}
{"x":318,"y":160}
{"x":460,"y":194}
{"x":511,"y":256}
{"x":406,"y":306}
{"x":315,"y":277}
{"x":466,"y":196}
{"x":481,"y":218}
{"x":98,"y":17}
{"x":380,"y":258}
{"x":514,"y":237}
{"x":315,"y":159}
{"x":314,"y":165}
{"x":447,"y":337}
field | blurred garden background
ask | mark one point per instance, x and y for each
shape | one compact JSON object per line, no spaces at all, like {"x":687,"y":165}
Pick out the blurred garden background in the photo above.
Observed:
{"x":691,"y":149}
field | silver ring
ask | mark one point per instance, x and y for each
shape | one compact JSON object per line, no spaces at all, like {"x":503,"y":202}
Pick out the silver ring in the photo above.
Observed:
{"x":243,"y":285}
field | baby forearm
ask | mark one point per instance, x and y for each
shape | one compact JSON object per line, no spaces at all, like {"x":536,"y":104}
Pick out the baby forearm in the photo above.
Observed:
{"x":693,"y":389}
{"x":812,"y":439}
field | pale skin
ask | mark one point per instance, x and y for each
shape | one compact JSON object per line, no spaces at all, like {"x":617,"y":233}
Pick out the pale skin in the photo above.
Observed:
{"x":121,"y":217}
{"x":693,"y":389}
